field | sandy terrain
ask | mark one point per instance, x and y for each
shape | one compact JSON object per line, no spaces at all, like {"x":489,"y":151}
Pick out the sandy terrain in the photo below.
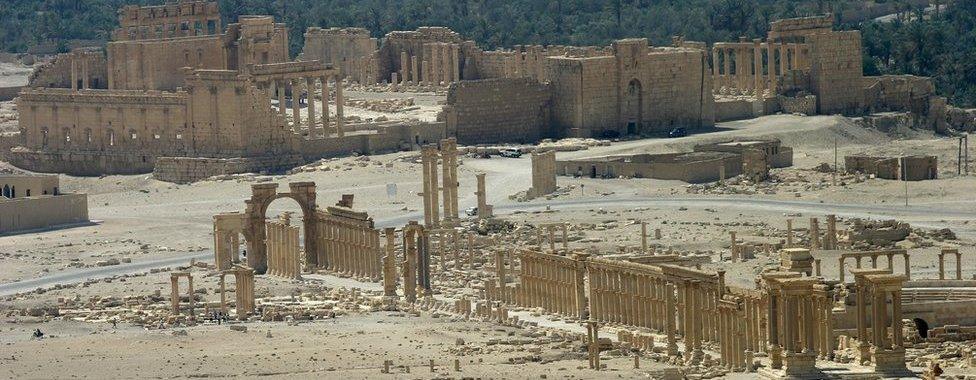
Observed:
{"x":141,"y":219}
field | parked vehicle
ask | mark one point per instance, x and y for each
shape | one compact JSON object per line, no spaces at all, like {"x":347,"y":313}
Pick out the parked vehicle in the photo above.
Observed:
{"x":510,"y":152}
{"x":678,"y":132}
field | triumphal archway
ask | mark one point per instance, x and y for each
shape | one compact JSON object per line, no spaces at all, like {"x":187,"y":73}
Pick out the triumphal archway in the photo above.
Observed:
{"x":262,"y":195}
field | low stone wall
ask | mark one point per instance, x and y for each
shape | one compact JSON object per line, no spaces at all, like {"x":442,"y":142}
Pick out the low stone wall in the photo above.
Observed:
{"x":80,"y":163}
{"x":28,"y":213}
{"x":805,"y":105}
{"x":191,"y":169}
{"x":737,"y":109}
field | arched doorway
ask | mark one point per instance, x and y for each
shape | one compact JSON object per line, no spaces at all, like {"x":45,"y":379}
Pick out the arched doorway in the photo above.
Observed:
{"x":262,"y":195}
{"x":634,"y":107}
{"x":922,"y":327}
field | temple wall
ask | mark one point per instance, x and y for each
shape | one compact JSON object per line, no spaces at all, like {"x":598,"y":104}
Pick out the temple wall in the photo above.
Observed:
{"x":57,"y":73}
{"x":836,"y":72}
{"x":498,"y":110}
{"x":348,"y":49}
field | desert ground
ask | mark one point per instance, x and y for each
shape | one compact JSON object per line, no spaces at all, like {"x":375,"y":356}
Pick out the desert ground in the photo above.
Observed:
{"x":143,"y":228}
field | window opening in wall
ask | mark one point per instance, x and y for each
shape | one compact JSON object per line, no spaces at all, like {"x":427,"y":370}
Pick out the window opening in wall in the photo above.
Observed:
{"x":134,"y":136}
{"x":179,"y":136}
{"x":44,"y":137}
{"x":56,"y":192}
{"x":111,"y":137}
{"x":27,"y":194}
{"x":67,"y":136}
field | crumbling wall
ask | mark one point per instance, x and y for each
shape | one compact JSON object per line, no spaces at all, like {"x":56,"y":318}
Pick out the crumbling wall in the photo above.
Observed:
{"x":804,"y":105}
{"x":498,"y":110}
{"x":87,"y":67}
{"x":836,"y":72}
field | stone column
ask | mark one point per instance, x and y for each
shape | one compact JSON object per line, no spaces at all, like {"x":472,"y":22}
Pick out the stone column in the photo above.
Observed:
{"x":670,"y":314}
{"x":325,"y":105}
{"x":483,"y":211}
{"x":280,"y":93}
{"x":425,"y":72}
{"x":447,"y":69}
{"x":455,"y":63}
{"x":942,"y":265}
{"x":783,"y":59}
{"x":726,"y":67}
{"x":296,"y":106}
{"x":394,"y":82}
{"x":74,"y":74}
{"x":789,"y":233}
{"x":958,"y":265}
{"x":435,"y":64}
{"x":340,"y":121}
{"x":404,"y":67}
{"x":814,"y":234}
{"x":414,"y":70}
{"x":758,"y":67}
{"x":771,"y":67}
{"x":908,"y":266}
{"x":84,"y":74}
{"x":312,"y":124}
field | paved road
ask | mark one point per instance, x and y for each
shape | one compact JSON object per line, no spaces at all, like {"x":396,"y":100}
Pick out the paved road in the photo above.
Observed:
{"x":74,"y":276}
{"x":922,"y":215}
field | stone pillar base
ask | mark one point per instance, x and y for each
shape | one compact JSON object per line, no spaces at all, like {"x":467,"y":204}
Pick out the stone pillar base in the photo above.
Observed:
{"x":891,"y":363}
{"x":801,"y":366}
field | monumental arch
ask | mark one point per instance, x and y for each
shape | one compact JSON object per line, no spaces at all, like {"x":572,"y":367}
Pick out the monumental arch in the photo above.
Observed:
{"x":262,"y":195}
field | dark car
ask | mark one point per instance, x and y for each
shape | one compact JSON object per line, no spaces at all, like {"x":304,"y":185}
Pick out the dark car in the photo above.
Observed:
{"x":678,"y":132}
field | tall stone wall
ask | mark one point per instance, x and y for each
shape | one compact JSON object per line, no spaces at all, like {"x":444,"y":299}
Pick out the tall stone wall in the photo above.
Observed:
{"x":638,"y":89}
{"x":498,"y":110}
{"x":836,"y":73}
{"x":351,"y":50}
{"x":157,"y":64}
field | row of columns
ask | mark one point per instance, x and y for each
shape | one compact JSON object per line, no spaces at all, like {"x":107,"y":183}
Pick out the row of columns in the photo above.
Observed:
{"x":751,"y":72}
{"x":792,"y":323}
{"x":448,"y":153}
{"x":226,"y":248}
{"x":307,"y":85}
{"x":554,"y":283}
{"x":441,"y":66}
{"x":79,"y":72}
{"x":283,"y":249}
{"x":873,"y":255}
{"x":887,"y":356}
{"x":350,"y":249}
{"x":827,"y":242}
{"x":733,"y":351}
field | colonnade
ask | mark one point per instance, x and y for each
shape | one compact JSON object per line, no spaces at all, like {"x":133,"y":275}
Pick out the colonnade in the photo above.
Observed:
{"x":243,"y":292}
{"x":875,"y":289}
{"x":793,"y":319}
{"x":307,"y":85}
{"x":732,"y":343}
{"x":174,"y":279}
{"x":751,"y":73}
{"x":828,"y":241}
{"x":79,"y":69}
{"x":283,"y":249}
{"x":552,"y":282}
{"x":442,"y":64}
{"x":429,"y":159}
{"x":350,"y":246}
{"x":873,"y":255}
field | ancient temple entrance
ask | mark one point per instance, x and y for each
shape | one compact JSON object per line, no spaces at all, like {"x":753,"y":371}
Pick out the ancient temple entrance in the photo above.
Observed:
{"x":922,"y":327}
{"x":634,"y":107}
